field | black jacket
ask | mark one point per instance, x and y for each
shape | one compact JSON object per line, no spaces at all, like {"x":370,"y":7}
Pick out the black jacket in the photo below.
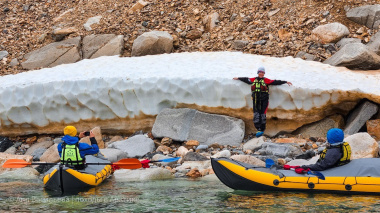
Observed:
{"x":333,"y":155}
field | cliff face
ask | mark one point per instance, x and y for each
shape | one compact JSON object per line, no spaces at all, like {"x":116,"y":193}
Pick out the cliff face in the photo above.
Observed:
{"x":125,"y":94}
{"x":264,"y":27}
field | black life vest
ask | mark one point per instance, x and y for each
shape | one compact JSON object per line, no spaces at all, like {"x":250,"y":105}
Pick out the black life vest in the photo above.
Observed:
{"x":346,"y":154}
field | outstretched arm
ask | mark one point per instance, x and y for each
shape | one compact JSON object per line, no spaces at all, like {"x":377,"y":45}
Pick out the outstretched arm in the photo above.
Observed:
{"x":276,"y":82}
{"x":243,"y":79}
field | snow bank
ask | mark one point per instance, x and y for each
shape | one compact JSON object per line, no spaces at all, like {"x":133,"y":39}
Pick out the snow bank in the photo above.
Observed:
{"x":125,"y":94}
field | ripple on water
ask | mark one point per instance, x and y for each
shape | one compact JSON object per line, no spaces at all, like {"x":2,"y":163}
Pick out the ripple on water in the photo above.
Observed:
{"x":176,"y":195}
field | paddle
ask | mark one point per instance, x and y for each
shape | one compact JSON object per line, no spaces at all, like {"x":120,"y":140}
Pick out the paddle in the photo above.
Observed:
{"x":167,"y":160}
{"x":127,"y":163}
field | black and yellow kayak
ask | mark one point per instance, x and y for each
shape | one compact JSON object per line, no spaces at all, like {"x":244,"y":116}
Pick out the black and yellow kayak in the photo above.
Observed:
{"x":62,"y":178}
{"x":358,"y":176}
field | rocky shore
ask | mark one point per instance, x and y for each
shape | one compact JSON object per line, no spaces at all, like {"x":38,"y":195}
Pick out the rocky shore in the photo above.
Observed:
{"x":66,"y":32}
{"x":162,"y":143}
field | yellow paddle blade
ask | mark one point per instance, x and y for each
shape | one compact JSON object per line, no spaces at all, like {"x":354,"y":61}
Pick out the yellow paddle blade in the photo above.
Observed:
{"x":15,"y":163}
{"x":128,"y":163}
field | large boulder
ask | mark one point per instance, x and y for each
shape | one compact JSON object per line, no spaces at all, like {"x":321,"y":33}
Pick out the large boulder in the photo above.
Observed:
{"x":357,"y":119}
{"x":253,"y":144}
{"x":374,"y":43}
{"x":248,"y":159}
{"x":51,"y":155}
{"x":5,"y":143}
{"x":280,"y":150}
{"x":98,"y":136}
{"x":54,"y":54}
{"x":152,"y":43}
{"x":320,"y":128}
{"x":362,"y":146}
{"x":368,"y":15}
{"x":373,"y":128}
{"x":190,"y":124}
{"x":330,"y":33}
{"x":345,"y":41}
{"x":136,"y":146}
{"x":94,"y":46}
{"x":355,"y":56}
{"x":142,"y":174}
{"x":44,"y":144}
{"x":113,"y":155}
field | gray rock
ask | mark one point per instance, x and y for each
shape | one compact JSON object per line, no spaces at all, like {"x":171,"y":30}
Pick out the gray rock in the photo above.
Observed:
{"x":136,"y":146}
{"x":91,"y":21}
{"x":368,"y":15}
{"x":233,"y":17}
{"x":54,"y":54}
{"x":210,"y":21}
{"x":273,"y":12}
{"x":254,"y":144}
{"x":202,"y":147}
{"x":26,"y":7}
{"x":113,"y":155}
{"x":102,"y":45}
{"x":38,"y":153}
{"x":5,"y":143}
{"x":301,"y":162}
{"x":3,"y":54}
{"x":162,"y":157}
{"x":239,"y":44}
{"x":280,"y":150}
{"x":345,"y":41}
{"x":320,"y":128}
{"x":330,"y":33}
{"x":193,"y":156}
{"x":152,"y":43}
{"x":357,"y":119}
{"x":261,"y":42}
{"x":306,"y":56}
{"x":326,"y":13}
{"x":374,"y":43}
{"x":11,"y":150}
{"x":355,"y":56}
{"x":189,"y":124}
{"x":44,"y":144}
{"x":57,"y":140}
{"x":14,"y":62}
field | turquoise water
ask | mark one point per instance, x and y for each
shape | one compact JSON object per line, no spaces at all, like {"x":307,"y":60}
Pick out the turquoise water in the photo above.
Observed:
{"x":176,"y":195}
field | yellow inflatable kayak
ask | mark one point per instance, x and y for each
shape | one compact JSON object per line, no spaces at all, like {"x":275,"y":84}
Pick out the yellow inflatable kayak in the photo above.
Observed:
{"x":62,"y":178}
{"x":358,"y":176}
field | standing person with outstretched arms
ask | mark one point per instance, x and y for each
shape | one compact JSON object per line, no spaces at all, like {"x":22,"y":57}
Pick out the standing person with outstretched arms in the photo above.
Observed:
{"x":260,"y":97}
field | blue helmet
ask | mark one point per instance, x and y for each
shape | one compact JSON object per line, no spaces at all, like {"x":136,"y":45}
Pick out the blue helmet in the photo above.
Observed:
{"x":335,"y":135}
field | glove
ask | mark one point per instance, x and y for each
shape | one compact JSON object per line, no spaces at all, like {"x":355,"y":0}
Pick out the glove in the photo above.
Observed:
{"x":145,"y":163}
{"x":301,"y":170}
{"x":288,"y":167}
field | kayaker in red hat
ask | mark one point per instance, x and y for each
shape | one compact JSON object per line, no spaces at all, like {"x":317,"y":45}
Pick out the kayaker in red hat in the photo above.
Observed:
{"x":260,"y":97}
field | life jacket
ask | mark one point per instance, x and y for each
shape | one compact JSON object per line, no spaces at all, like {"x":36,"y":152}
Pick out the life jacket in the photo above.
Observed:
{"x":259,"y":86}
{"x":346,"y":151}
{"x":71,"y":155}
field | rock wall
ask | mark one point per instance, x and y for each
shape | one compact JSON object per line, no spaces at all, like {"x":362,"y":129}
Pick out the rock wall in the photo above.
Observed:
{"x":125,"y":94}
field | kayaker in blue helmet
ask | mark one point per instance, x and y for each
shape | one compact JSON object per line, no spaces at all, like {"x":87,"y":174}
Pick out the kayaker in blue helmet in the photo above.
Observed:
{"x":337,"y":154}
{"x":72,"y":152}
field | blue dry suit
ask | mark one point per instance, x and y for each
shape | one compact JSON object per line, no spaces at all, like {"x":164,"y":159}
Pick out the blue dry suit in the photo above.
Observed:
{"x":84,"y":149}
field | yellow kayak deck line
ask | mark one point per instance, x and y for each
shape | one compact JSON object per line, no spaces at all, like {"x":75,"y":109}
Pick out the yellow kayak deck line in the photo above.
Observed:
{"x":240,"y":176}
